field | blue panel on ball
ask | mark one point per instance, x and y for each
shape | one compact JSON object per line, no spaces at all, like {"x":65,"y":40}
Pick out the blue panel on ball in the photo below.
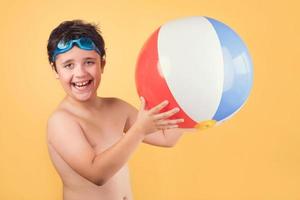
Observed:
{"x":238,"y":72}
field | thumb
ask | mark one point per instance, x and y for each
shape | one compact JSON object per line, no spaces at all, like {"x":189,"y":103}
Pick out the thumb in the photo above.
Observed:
{"x":143,"y":103}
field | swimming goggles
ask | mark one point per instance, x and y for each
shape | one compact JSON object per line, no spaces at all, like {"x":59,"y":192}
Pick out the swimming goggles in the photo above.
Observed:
{"x":83,"y":43}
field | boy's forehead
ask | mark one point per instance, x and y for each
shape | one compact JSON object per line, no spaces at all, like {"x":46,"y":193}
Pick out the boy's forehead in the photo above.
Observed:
{"x":76,"y":54}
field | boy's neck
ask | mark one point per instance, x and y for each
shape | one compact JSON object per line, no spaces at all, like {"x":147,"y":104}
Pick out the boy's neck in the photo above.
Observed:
{"x":88,"y":105}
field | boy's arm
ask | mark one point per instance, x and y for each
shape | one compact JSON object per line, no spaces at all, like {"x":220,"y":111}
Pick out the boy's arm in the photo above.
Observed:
{"x":166,"y":138}
{"x":66,"y":137}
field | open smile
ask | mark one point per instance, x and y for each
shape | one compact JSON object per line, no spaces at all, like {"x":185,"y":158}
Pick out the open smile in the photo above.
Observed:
{"x":82,"y":85}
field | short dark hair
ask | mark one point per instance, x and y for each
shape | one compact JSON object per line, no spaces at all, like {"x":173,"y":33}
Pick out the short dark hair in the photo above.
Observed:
{"x":69,"y":30}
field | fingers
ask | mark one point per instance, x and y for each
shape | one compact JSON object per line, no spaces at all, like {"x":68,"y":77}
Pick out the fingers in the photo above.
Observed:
{"x":159,"y":107}
{"x":167,"y":114}
{"x":143,"y":103}
{"x":167,"y":127}
{"x":169,"y":122}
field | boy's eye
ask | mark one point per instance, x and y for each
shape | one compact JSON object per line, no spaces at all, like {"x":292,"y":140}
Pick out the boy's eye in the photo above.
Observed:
{"x":90,"y":62}
{"x":69,"y":66}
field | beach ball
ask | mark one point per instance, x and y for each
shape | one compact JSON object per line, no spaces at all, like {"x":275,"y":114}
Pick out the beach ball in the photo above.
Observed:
{"x":198,"y":64}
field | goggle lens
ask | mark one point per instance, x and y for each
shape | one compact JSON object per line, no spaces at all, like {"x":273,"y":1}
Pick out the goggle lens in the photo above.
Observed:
{"x":62,"y":44}
{"x":86,"y":43}
{"x":83,"y":43}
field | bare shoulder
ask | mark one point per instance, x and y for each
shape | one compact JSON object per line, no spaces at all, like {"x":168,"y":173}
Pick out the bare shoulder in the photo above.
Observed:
{"x":59,"y":114}
{"x":59,"y":118}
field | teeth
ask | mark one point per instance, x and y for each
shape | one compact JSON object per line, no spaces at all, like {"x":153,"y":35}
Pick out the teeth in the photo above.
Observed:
{"x":80,"y":84}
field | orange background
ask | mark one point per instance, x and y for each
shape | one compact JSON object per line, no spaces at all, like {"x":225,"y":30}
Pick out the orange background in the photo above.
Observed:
{"x":254,"y":155}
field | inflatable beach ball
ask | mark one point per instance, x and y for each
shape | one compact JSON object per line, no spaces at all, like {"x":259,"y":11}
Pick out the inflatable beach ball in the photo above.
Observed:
{"x":199,"y":65}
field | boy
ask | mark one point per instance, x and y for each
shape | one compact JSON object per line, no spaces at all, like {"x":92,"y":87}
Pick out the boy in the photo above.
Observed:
{"x":91,"y":138}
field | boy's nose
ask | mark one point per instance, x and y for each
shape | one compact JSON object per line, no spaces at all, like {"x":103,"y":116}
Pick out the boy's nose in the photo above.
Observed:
{"x":80,"y":71}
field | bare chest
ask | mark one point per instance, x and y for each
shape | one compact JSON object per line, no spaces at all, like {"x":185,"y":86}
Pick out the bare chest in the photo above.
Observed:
{"x":103,"y":130}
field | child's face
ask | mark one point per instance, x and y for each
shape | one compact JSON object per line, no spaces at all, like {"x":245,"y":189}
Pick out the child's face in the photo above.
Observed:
{"x":79,"y":72}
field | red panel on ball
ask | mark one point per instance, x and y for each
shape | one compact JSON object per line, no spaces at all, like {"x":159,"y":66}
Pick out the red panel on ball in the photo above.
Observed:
{"x":150,"y":82}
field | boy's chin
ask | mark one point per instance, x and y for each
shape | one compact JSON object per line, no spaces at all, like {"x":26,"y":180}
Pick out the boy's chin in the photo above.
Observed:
{"x":83,"y":95}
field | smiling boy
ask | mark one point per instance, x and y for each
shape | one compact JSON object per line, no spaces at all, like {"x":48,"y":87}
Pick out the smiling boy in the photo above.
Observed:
{"x":90,"y":139}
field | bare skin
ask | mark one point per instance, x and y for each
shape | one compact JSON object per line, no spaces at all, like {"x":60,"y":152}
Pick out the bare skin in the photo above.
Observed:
{"x":99,"y":136}
{"x":90,"y":138}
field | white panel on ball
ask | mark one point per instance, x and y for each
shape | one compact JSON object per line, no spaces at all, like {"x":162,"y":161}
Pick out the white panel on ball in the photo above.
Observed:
{"x":191,"y":61}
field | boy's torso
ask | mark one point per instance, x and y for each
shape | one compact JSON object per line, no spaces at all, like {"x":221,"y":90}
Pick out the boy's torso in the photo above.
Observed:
{"x":102,"y":129}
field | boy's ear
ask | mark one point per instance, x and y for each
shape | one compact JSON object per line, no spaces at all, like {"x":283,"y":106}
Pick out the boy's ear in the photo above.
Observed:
{"x":54,"y":71}
{"x":56,"y":74}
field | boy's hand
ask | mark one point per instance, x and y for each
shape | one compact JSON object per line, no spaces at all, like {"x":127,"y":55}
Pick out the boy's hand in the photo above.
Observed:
{"x":149,"y":121}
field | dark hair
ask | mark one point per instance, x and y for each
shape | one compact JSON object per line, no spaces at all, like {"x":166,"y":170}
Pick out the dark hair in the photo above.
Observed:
{"x":69,"y":30}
